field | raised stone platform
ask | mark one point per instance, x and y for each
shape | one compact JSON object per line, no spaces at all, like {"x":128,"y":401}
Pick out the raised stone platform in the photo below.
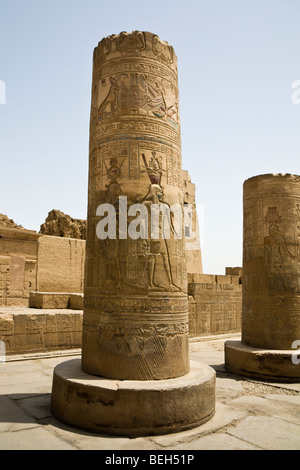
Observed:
{"x":266,"y":364}
{"x":26,"y":330}
{"x":56,"y":300}
{"x":132,"y":408}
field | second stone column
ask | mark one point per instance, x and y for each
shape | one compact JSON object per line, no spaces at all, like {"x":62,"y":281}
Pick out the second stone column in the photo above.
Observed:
{"x":271,"y":281}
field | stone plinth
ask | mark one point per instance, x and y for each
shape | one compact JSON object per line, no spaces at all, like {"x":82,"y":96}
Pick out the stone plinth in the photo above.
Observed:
{"x":265,"y":364}
{"x":271,"y":280}
{"x":133,"y":408}
{"x":135,"y":318}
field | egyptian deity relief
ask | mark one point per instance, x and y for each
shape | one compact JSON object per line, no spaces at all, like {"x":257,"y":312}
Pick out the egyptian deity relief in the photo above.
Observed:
{"x":281,"y":247}
{"x":138,"y":94}
{"x":140,"y":265}
{"x":275,"y":242}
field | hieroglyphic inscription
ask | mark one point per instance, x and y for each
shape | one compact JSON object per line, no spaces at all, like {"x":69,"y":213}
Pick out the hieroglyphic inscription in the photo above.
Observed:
{"x":121,"y":129}
{"x":134,"y":161}
{"x":174,"y":176}
{"x":132,"y":305}
{"x":145,"y":68}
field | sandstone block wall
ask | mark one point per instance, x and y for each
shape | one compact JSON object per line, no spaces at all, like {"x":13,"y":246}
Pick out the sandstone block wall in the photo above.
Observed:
{"x":193,"y":251}
{"x":30,"y":262}
{"x":18,"y":265}
{"x":40,"y":331}
{"x":215,"y":304}
{"x":56,"y":300}
{"x":60,"y":264}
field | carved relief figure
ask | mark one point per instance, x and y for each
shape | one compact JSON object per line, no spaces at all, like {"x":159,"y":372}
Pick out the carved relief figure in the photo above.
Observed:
{"x":132,"y":93}
{"x":298,"y":212}
{"x":105,"y":49}
{"x":157,"y":247}
{"x":109,"y":103}
{"x":277,"y":255}
{"x":248,"y":242}
{"x":164,"y":52}
{"x":111,"y":246}
{"x":273,"y":216}
{"x":131,"y":42}
{"x":114,"y":170}
{"x":172,"y":112}
{"x":154,"y":100}
{"x":154,"y":168}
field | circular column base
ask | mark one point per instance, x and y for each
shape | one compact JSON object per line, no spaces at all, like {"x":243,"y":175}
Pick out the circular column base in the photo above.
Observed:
{"x":129,"y":407}
{"x":265,"y":364}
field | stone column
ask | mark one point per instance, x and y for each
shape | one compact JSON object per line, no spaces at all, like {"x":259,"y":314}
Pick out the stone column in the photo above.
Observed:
{"x":136,"y":307}
{"x":271,"y":280}
{"x":135,"y":322}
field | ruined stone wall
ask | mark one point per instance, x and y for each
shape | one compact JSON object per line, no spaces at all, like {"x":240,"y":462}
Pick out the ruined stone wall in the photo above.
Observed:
{"x":215,"y":304}
{"x":30,"y":262}
{"x":60,"y":264}
{"x":40,"y":331}
{"x":193,"y":248}
{"x":18,"y":265}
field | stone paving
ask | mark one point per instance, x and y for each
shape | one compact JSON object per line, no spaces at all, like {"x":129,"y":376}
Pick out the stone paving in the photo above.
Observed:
{"x":250,"y":415}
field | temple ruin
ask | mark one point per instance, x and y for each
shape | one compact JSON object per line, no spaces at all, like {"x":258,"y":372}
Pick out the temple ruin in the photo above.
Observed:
{"x":130,"y":300}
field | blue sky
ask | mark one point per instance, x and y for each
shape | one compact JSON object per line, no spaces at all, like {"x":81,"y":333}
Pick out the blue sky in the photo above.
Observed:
{"x":237,"y":61}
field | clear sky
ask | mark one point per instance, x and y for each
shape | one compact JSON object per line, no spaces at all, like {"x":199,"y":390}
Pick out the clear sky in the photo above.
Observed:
{"x":237,"y":61}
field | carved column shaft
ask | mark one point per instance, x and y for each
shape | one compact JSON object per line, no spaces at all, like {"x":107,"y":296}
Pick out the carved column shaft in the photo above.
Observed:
{"x":271,"y":264}
{"x":135,"y":323}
